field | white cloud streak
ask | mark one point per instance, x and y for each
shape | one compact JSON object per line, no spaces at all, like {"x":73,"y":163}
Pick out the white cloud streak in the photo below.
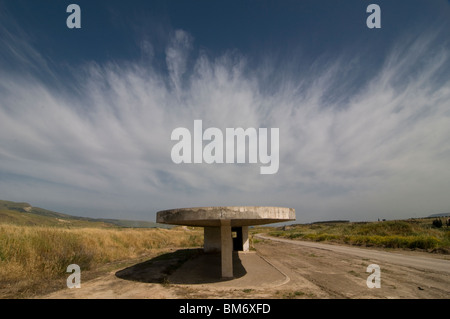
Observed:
{"x":380,"y":152}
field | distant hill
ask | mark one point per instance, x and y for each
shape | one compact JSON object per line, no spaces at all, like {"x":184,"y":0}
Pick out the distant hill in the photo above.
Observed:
{"x":440,"y":215}
{"x":21,"y":213}
{"x":331,"y":222}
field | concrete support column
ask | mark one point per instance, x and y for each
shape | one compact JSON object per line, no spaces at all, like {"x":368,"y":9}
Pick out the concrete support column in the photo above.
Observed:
{"x":245,"y":242}
{"x":211,"y":241}
{"x":226,"y":249}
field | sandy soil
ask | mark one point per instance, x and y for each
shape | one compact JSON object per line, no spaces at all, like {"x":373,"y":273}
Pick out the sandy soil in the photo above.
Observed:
{"x":275,"y":270}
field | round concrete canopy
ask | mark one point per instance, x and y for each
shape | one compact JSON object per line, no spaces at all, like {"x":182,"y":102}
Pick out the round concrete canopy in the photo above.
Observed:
{"x":215,"y":216}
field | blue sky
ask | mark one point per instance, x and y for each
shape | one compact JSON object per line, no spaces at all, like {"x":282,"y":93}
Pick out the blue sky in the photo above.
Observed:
{"x":86,"y":114}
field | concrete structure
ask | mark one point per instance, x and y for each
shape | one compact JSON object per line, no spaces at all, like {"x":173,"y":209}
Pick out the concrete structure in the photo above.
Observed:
{"x":226,"y":228}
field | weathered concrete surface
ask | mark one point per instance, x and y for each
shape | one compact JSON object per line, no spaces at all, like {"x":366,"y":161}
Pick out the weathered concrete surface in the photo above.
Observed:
{"x":251,"y":272}
{"x":245,"y":241}
{"x":238,"y":215}
{"x":226,"y":249}
{"x":211,"y":240}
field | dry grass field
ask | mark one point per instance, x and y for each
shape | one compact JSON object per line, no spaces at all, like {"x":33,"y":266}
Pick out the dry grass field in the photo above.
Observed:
{"x":34,"y":258}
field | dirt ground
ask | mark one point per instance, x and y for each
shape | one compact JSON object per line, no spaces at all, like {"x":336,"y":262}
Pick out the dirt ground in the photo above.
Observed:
{"x":274,"y":270}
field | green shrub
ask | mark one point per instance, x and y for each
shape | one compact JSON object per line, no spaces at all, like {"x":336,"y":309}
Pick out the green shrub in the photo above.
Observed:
{"x":437,"y":223}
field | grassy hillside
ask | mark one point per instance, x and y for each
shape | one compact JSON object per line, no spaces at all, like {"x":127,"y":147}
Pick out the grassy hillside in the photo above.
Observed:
{"x":410,"y":234}
{"x":26,"y":215}
{"x":37,"y":245}
{"x":23,"y":214}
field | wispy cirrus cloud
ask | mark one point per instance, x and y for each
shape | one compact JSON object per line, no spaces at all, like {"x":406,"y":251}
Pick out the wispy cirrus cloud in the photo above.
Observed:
{"x":103,"y":143}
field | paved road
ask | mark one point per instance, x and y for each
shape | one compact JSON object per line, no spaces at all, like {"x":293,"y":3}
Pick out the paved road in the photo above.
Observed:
{"x":418,"y":262}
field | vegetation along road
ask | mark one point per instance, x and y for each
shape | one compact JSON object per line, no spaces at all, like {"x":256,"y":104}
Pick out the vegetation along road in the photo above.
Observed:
{"x":419,"y":262}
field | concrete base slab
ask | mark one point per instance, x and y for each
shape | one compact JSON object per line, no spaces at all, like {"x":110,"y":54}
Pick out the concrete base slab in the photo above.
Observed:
{"x":250,"y":271}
